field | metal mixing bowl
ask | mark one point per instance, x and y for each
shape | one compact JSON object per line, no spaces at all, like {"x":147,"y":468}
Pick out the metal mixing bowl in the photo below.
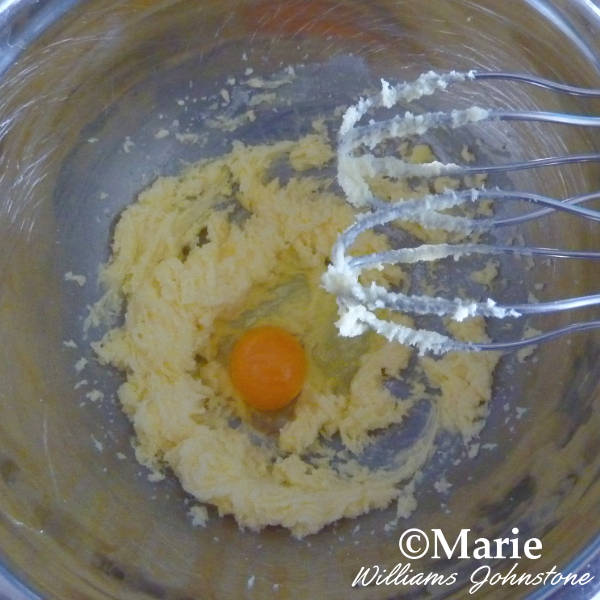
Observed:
{"x":78,"y":522}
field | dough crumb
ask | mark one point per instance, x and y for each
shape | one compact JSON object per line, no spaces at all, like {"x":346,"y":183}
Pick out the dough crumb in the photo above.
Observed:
{"x":95,"y":395}
{"x":487,"y":275}
{"x":78,"y":279}
{"x":156,"y":476}
{"x":199,"y":516}
{"x":527,"y":351}
{"x":128,"y":145}
{"x":187,"y":138}
{"x":442,"y":486}
{"x":473,"y":450}
{"x":467,"y":155}
{"x":261,"y":98}
{"x":80,"y":364}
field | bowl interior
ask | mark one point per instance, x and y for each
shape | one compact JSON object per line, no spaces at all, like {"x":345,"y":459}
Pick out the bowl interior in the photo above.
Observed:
{"x":82,"y":107}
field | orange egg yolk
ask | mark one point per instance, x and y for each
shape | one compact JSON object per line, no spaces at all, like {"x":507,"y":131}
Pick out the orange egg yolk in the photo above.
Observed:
{"x":268,"y":367}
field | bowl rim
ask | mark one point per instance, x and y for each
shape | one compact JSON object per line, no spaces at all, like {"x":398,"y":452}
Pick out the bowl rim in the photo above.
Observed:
{"x":22,"y":22}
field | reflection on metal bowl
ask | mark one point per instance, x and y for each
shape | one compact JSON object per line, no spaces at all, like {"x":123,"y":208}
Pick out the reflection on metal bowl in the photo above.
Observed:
{"x":83,"y":81}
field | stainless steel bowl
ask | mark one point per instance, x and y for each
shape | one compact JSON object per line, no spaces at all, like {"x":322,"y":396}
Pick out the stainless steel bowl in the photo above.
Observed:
{"x":76,"y":522}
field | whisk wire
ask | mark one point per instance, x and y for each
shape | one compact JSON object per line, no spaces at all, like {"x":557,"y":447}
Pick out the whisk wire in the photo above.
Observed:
{"x":357,"y":301}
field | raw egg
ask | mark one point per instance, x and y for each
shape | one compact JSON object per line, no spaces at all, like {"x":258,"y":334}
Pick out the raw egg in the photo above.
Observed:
{"x":268,"y":367}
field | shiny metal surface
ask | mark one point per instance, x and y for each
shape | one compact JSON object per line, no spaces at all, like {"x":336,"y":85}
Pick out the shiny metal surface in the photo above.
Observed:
{"x":77,"y":522}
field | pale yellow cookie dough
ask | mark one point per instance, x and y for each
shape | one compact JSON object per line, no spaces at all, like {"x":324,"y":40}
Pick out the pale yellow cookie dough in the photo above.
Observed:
{"x":224,"y":246}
